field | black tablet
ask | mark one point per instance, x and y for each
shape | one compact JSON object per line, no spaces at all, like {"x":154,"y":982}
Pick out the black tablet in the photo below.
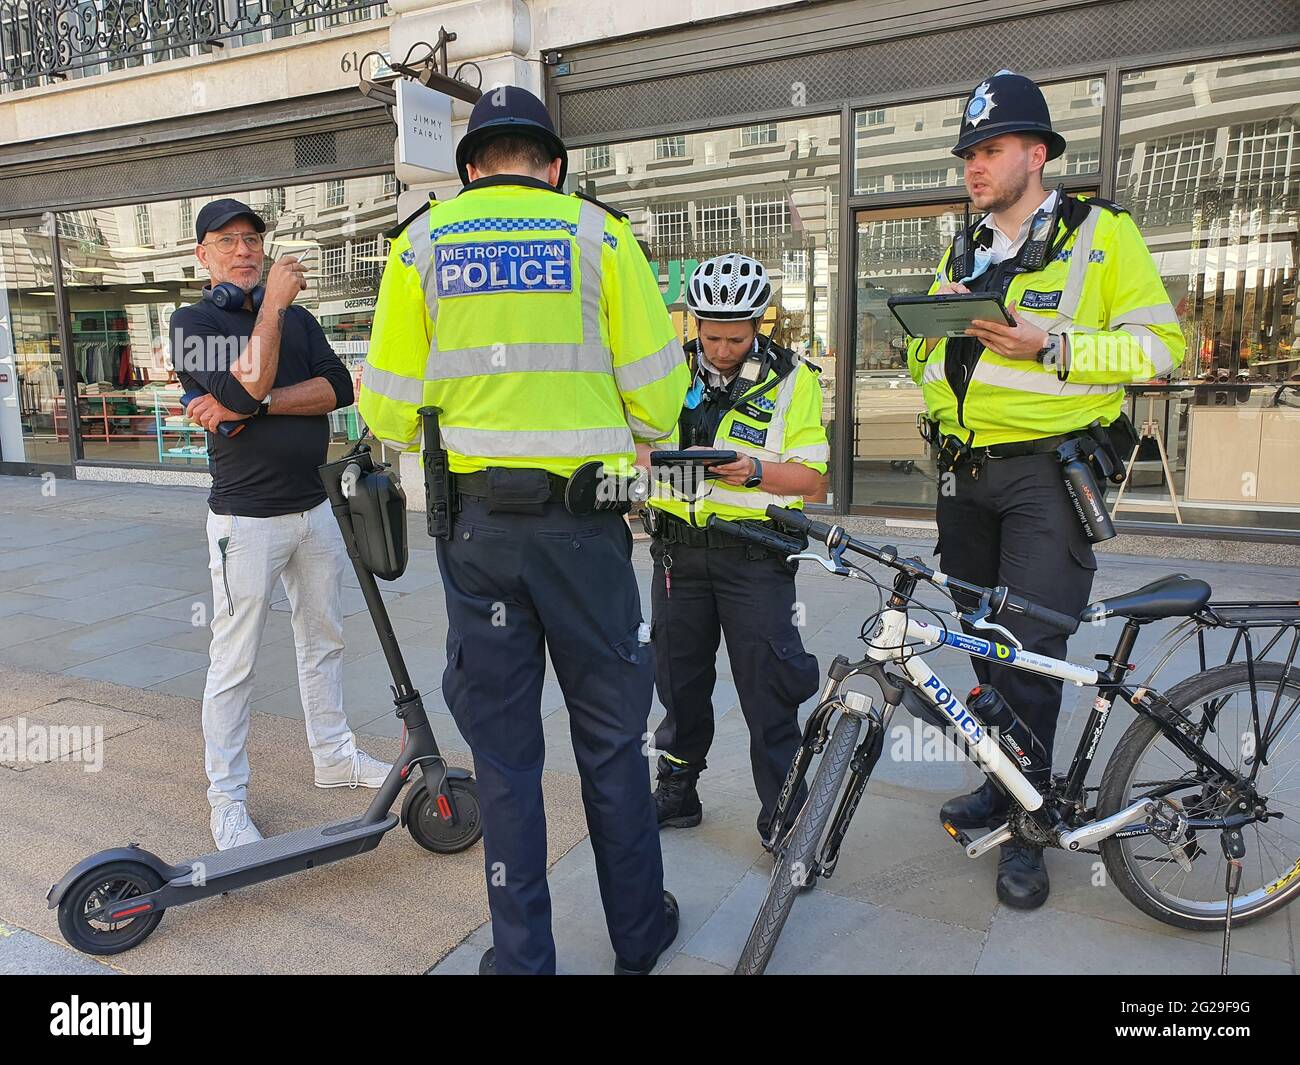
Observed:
{"x":947,"y":316}
{"x":691,"y":458}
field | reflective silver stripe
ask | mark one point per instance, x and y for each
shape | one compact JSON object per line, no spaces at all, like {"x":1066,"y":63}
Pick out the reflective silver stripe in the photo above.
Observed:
{"x":418,"y":234}
{"x":393,"y":445}
{"x":1072,"y":291}
{"x":748,"y":498}
{"x":591,"y":231}
{"x":933,"y":371}
{"x":537,"y":443}
{"x":808,"y":453}
{"x":515,"y":358}
{"x":1156,"y":314}
{"x":1152,"y":346}
{"x":650,"y":368}
{"x":644,"y":431}
{"x":1043,"y":382}
{"x":391,"y":385}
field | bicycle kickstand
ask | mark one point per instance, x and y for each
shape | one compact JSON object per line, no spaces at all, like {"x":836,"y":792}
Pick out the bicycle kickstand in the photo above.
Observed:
{"x":1234,"y":849}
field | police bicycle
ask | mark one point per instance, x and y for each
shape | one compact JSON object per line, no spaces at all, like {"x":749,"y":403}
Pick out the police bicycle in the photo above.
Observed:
{"x":1197,"y":815}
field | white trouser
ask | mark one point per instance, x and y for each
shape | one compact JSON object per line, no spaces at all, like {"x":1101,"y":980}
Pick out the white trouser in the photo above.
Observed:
{"x":306,"y":551}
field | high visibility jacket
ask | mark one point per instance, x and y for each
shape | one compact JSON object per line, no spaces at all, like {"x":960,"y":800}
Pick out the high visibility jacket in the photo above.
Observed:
{"x":1103,"y":292}
{"x":533,"y":320}
{"x":783,"y":424}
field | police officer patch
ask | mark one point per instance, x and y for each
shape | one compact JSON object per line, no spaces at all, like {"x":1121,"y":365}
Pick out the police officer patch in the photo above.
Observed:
{"x":1040,"y":301}
{"x":408,"y":257}
{"x":477,"y":267}
{"x":749,"y":434}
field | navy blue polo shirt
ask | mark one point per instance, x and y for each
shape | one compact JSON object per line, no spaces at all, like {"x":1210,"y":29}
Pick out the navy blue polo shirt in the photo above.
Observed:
{"x":270,"y":468}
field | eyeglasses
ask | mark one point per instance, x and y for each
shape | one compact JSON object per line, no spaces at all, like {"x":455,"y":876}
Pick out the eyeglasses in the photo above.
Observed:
{"x":228,"y":243}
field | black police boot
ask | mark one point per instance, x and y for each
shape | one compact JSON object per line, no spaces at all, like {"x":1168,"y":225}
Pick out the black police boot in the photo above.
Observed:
{"x":983,"y":808}
{"x":672,"y":920}
{"x":1022,"y":876}
{"x":676,"y":803}
{"x":487,"y":965}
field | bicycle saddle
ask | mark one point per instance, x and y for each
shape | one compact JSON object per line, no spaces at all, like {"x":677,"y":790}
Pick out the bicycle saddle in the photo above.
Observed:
{"x":1170,"y":597}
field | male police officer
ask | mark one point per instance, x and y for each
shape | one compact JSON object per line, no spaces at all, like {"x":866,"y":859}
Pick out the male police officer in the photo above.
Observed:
{"x":1091,"y":315}
{"x":533,"y":320}
{"x":763,"y":402}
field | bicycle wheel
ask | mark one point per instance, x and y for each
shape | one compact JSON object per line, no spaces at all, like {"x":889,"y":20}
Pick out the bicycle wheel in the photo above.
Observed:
{"x":1147,"y":870}
{"x":795,"y":859}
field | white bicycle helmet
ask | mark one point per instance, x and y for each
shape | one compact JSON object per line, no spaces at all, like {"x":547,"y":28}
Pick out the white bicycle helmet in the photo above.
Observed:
{"x":728,"y":288}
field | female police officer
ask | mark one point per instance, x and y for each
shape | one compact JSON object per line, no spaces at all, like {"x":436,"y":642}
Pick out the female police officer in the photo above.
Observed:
{"x":750,"y":396}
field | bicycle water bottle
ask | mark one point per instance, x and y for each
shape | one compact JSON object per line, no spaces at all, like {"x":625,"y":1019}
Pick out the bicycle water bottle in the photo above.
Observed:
{"x":1014,"y":736}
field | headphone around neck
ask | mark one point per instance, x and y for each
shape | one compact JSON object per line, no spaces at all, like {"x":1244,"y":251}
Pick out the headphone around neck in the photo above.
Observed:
{"x":230,"y":297}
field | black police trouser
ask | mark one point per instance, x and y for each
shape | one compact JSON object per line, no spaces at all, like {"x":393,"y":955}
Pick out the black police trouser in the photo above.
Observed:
{"x":747,"y":594}
{"x":1014,"y":526}
{"x":518,"y":586}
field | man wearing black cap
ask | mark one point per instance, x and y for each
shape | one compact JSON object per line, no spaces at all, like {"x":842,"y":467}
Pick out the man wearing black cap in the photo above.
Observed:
{"x":267,"y":378}
{"x":532,"y":319}
{"x":1090,"y":315}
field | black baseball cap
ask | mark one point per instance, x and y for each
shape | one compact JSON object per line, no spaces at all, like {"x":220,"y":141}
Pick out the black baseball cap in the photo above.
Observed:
{"x":216,"y":214}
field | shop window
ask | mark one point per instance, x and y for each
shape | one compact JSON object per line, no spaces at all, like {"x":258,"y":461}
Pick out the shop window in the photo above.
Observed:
{"x":1215,"y":191}
{"x":717,"y":224}
{"x":783,"y":211}
{"x":670,"y":148}
{"x":921,"y":179}
{"x":1083,"y":161}
{"x":751,"y":136}
{"x":767,"y":216}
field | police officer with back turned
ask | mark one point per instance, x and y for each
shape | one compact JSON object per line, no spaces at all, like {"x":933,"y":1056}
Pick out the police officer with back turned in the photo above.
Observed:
{"x":1009,"y":404}
{"x":532,"y":319}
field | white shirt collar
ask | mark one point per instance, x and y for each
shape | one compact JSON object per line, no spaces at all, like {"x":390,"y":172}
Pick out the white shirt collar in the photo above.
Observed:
{"x":1005,"y":247}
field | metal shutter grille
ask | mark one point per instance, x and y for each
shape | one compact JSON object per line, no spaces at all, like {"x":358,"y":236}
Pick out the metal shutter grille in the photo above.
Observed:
{"x":285,"y":160}
{"x":1070,"y":37}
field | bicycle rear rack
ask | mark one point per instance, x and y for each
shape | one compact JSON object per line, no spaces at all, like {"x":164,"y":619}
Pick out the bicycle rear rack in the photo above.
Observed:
{"x":1242,"y":619}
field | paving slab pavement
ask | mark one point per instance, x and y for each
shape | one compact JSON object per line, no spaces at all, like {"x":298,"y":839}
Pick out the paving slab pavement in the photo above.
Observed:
{"x":903,"y":899}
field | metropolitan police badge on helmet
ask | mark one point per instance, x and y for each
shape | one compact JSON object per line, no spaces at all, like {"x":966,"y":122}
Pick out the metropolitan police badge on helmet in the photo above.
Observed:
{"x":474,"y":268}
{"x":980,"y":105}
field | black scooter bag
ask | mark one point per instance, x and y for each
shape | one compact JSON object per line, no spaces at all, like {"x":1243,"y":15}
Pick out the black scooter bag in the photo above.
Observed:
{"x":377,"y":506}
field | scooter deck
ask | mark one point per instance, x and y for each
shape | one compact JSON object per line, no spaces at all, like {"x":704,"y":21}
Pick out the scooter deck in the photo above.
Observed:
{"x":319,"y":843}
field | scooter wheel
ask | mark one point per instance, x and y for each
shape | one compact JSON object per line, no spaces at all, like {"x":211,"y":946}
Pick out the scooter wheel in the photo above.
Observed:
{"x":434,"y":832}
{"x":102,"y":887}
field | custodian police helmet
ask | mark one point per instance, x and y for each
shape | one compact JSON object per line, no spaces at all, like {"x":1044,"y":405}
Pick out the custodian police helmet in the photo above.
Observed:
{"x":1007,"y":103}
{"x":508,"y":109}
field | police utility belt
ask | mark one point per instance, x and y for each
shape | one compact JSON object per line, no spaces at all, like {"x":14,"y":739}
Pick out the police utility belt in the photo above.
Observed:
{"x":515,"y":491}
{"x":670,"y":529}
{"x":1084,"y":456}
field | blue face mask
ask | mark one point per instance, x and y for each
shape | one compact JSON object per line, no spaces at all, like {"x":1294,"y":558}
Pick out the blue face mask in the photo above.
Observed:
{"x":983,"y":257}
{"x":696,"y":394}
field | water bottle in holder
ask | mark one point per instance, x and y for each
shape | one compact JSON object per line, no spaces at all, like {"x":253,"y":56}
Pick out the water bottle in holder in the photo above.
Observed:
{"x":1013,"y":735}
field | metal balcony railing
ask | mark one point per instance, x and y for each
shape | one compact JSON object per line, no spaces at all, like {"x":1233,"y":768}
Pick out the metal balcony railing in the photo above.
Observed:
{"x":60,"y":38}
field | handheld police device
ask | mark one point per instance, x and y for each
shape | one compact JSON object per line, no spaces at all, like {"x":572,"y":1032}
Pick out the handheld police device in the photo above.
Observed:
{"x":947,"y":315}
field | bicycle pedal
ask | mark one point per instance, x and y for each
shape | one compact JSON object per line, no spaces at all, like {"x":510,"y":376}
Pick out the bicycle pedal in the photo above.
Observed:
{"x":957,"y":834}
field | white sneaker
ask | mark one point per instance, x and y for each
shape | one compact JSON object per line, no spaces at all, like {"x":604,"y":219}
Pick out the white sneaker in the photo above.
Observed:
{"x":232,"y":827}
{"x":359,"y":771}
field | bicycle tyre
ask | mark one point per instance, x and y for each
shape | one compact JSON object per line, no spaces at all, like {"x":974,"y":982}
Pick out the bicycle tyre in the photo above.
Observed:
{"x":800,"y":848}
{"x":1114,"y":795}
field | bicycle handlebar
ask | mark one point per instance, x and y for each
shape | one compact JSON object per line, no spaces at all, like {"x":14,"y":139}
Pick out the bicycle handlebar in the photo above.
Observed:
{"x":999,"y":599}
{"x":755,"y":534}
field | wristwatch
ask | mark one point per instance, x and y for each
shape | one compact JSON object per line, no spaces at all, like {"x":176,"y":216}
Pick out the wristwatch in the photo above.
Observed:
{"x":1052,"y":355}
{"x":756,"y":478}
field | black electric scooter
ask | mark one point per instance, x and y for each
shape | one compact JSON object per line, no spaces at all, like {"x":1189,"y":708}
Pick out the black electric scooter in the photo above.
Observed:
{"x":113,"y":900}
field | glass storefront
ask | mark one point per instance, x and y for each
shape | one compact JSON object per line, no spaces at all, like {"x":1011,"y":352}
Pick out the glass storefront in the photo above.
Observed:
{"x":31,"y":360}
{"x":125,"y":270}
{"x":1205,"y":156}
{"x":767,"y":190}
